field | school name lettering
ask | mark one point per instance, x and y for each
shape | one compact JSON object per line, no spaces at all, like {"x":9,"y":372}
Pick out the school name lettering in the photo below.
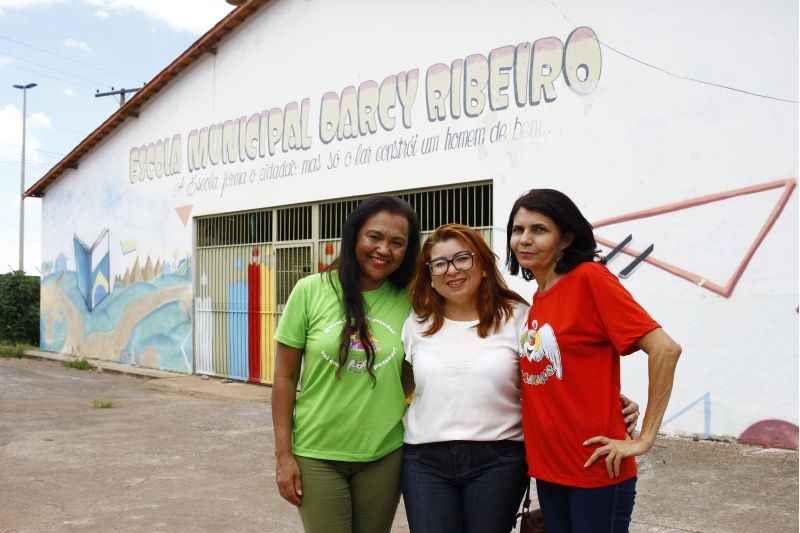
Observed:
{"x":515,"y":75}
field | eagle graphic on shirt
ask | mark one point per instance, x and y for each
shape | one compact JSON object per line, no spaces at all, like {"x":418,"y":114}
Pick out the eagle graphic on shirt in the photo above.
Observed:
{"x":537,"y":344}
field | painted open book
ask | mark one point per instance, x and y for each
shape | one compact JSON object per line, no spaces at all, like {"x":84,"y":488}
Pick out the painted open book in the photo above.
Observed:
{"x":93,"y":267}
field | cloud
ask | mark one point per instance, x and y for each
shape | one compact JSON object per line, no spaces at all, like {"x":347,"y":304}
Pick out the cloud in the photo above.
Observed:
{"x":6,"y":60}
{"x":11,"y":134}
{"x":195,"y":16}
{"x":79,"y":45}
{"x":41,"y":120}
{"x":22,"y":4}
{"x":69,"y":92}
{"x":9,"y":240}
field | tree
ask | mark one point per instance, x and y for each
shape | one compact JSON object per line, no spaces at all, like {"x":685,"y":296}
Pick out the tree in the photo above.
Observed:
{"x":19,"y":308}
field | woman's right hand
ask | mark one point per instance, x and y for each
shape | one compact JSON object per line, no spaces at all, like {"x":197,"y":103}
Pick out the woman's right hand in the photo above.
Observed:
{"x":287,"y":475}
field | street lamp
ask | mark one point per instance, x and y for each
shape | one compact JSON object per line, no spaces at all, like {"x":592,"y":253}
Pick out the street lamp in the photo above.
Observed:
{"x":24,"y":89}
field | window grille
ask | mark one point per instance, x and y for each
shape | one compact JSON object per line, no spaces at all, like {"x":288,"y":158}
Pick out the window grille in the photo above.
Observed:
{"x":332,"y":216}
{"x":253,"y":227}
{"x":291,"y":264}
{"x":294,"y":223}
{"x":470,"y":205}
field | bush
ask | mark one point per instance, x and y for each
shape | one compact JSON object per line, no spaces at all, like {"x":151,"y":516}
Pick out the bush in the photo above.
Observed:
{"x":19,"y":308}
{"x":78,"y":364}
{"x":13,"y":350}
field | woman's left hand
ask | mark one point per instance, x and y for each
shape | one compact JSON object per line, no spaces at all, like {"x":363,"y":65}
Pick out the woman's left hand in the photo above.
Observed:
{"x":615,"y":451}
{"x":630,"y":411}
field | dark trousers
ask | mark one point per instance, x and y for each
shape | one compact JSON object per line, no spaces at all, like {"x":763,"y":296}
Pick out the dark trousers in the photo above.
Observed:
{"x":463,"y":487}
{"x":576,"y":510}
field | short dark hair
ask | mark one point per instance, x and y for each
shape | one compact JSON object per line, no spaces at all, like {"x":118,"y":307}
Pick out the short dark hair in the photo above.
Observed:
{"x":562,"y":210}
{"x":346,"y":267}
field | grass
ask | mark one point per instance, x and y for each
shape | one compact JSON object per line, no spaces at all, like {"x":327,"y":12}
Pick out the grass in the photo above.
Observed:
{"x":13,"y":350}
{"x":78,"y":364}
{"x":102,"y":404}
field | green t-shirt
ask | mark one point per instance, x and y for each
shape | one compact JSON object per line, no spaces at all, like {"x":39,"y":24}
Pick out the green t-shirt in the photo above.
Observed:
{"x":345,"y":419}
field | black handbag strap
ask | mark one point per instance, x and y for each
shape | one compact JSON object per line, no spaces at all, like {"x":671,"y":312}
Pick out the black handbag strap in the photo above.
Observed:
{"x":526,"y":504}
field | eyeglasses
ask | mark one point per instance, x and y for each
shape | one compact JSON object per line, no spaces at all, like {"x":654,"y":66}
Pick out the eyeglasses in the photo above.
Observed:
{"x":461,"y":263}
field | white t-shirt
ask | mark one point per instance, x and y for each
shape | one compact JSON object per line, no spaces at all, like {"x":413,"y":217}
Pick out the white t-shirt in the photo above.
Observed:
{"x":467,"y":388}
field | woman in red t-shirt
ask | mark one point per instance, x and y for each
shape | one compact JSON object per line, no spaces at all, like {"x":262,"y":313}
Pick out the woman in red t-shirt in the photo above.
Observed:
{"x":581,"y":320}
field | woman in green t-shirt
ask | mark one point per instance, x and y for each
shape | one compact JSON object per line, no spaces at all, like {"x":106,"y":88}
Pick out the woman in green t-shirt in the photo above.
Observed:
{"x":338,"y":442}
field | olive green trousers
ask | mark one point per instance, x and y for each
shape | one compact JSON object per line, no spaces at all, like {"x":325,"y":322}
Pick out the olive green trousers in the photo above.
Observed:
{"x":348,"y":497}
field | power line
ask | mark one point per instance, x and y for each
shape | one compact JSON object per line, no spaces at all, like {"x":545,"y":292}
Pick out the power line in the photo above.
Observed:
{"x":674,"y":74}
{"x":119,"y":92}
{"x":57,"y":71}
{"x":50,"y":52}
{"x":49,"y":152}
{"x":17,"y":146}
{"x":51,"y":76}
{"x":696,"y":80}
{"x":36,"y":149}
{"x":27,"y":163}
{"x":44,"y":158}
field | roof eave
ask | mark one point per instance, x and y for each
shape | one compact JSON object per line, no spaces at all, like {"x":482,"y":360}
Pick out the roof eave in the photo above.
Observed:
{"x":205,"y":44}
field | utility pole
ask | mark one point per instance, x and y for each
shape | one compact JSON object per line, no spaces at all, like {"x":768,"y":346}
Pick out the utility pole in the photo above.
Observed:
{"x":115,"y":92}
{"x":24,"y":89}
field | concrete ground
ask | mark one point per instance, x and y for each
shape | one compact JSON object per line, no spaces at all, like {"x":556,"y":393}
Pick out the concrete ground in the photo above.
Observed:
{"x":184,"y":454}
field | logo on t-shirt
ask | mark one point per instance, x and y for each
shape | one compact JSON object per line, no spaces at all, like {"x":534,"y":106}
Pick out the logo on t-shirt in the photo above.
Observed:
{"x":357,"y":363}
{"x":357,"y":346}
{"x":357,"y":366}
{"x":540,"y":343}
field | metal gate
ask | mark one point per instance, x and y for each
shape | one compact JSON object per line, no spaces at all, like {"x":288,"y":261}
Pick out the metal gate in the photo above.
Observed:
{"x":234,"y":297}
{"x":246,"y":265}
{"x":291,"y":264}
{"x":471,"y":205}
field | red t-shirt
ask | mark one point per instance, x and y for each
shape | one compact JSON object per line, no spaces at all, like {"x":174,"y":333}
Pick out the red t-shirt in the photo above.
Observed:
{"x":569,"y":364}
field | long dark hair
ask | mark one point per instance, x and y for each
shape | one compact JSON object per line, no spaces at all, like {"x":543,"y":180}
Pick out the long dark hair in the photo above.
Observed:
{"x":557,"y":206}
{"x":349,"y":271}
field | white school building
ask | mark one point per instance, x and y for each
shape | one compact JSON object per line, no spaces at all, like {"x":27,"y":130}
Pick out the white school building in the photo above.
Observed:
{"x":173,"y":234}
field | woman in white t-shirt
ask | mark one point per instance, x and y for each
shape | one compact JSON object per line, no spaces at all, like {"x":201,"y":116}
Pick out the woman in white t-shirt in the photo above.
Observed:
{"x":464,"y":465}
{"x":464,"y":460}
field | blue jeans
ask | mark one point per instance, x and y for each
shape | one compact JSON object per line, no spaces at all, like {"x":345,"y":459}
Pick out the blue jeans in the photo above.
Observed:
{"x":576,"y":510}
{"x":463,"y":487}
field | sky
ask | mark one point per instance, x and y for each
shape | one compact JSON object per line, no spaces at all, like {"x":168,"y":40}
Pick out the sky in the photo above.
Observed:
{"x":71,"y":49}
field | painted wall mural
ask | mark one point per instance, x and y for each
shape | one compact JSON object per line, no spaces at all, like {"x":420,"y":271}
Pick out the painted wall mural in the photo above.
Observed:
{"x":92,"y":266}
{"x":234,"y":313}
{"x":726,"y":288}
{"x":142,"y":317}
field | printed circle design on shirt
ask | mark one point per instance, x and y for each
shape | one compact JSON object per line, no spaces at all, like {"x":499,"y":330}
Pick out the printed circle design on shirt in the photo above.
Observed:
{"x":537,"y":344}
{"x":356,"y":356}
{"x":356,"y":346}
